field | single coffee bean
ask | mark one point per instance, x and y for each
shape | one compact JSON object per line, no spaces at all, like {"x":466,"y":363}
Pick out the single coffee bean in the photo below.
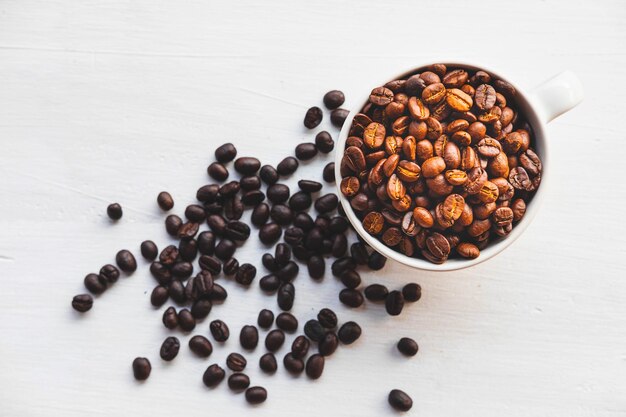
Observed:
{"x":288,"y":272}
{"x":400,"y":400}
{"x":300,"y":347}
{"x":287,"y":166}
{"x":249,"y":337}
{"x":226,"y":152}
{"x":327,"y":318}
{"x":238,"y":382}
{"x":309,"y":186}
{"x":269,"y":262}
{"x":324,"y":142}
{"x":328,"y":174}
{"x":351,"y":279}
{"x":195,"y":213}
{"x":110,"y":273}
{"x":141,"y":369}
{"x":394,"y":303}
{"x":269,"y":283}
{"x":314,"y":330}
{"x":300,"y":201}
{"x":225,"y":249}
{"x":260,"y":214}
{"x":407,"y":346}
{"x":342,"y":265}
{"x":338,"y":117}
{"x":328,"y":344}
{"x":231,"y":266}
{"x":376,"y":292}
{"x":247,"y":165}
{"x":282,"y":254}
{"x":334,"y":99}
{"x":218,"y":293}
{"x":326,"y":203}
{"x":201,"y":309}
{"x":306,"y":151}
{"x":265,"y":319}
{"x":165,"y":201}
{"x":349,"y":332}
{"x":149,"y":250}
{"x":359,"y":254}
{"x":230,"y":189}
{"x":274,"y":340}
{"x":250,"y":182}
{"x":256,"y":395}
{"x":201,"y":346}
{"x":376,"y":261}
{"x":82,"y":302}
{"x":219,"y":330}
{"x":268,"y":174}
{"x":287,"y":322}
{"x":285,"y":296}
{"x":95,"y":283}
{"x":114,"y":211}
{"x":217,"y":171}
{"x":293,"y":364}
{"x":126,"y":261}
{"x":313,"y":117}
{"x":351,"y":297}
{"x":252,"y":198}
{"x":412,"y":292}
{"x":281,"y":214}
{"x":182,"y":270}
{"x":208,"y":193}
{"x":267,"y":363}
{"x":316,"y":266}
{"x":270,"y":233}
{"x":315,"y":366}
{"x":172,"y":224}
{"x":278,"y":193}
{"x":294,"y":237}
{"x":210,"y":263}
{"x":169,"y":255}
{"x":213,"y":375}
{"x":169,"y":348}
{"x":236,"y":362}
{"x":186,"y":321}
{"x":206,"y":243}
{"x":187,"y":230}
{"x":170,"y":318}
{"x":237,"y":231}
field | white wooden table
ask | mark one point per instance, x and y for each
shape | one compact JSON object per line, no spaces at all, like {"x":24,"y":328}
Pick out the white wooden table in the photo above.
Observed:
{"x":115,"y":101}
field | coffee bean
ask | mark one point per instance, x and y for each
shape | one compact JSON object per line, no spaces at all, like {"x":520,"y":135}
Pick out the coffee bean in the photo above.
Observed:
{"x":95,"y":283}
{"x":270,"y":233}
{"x":149,"y":250}
{"x":213,"y":375}
{"x":218,"y":293}
{"x":376,"y":261}
{"x":208,"y":193}
{"x":217,"y":171}
{"x":170,"y":318}
{"x":316,"y":266}
{"x":287,"y":322}
{"x":394,"y":303}
{"x":252,"y":198}
{"x":268,"y":174}
{"x":172,"y":224}
{"x":201,"y":308}
{"x":324,"y":142}
{"x":247,"y":165}
{"x":359,"y":254}
{"x":237,"y":231}
{"x":314,"y":330}
{"x":328,"y":174}
{"x":351,"y":279}
{"x":338,"y":117}
{"x":313,"y":117}
{"x":400,"y":400}
{"x":269,"y":283}
{"x":231,"y":266}
{"x":293,"y":364}
{"x":260,"y":214}
{"x":334,"y":99}
{"x":315,"y":366}
{"x":328,"y":344}
{"x":306,"y":151}
{"x":165,"y":201}
{"x":412,"y":292}
{"x":225,"y":249}
{"x":274,"y":340}
{"x":285,"y":296}
{"x":236,"y":362}
{"x":288,"y":272}
{"x":282,"y":255}
{"x":278,"y":193}
{"x":407,"y":346}
{"x":182,"y":270}
{"x":281,"y":214}
{"x":256,"y":395}
{"x":326,"y":203}
{"x":210,"y":263}
{"x":226,"y":152}
{"x":265,"y":319}
{"x":309,"y":186}
{"x":287,"y":166}
{"x":110,"y":273}
{"x":82,"y":302}
{"x":114,"y":211}
{"x":376,"y":292}
{"x":249,"y":337}
{"x":342,"y":265}
{"x":300,"y":347}
{"x":351,"y":297}
{"x":233,"y":208}
{"x":381,"y":96}
{"x":267,"y":363}
{"x":238,"y":382}
{"x":169,"y":348}
{"x":141,"y":369}
{"x":126,"y":261}
{"x":186,"y":321}
{"x":300,"y":201}
{"x":201,"y":346}
{"x":294,"y":237}
{"x":219,"y":330}
{"x":349,"y":332}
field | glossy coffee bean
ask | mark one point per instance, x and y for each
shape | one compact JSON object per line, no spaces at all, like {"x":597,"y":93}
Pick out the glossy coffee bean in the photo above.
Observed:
{"x":217,"y":171}
{"x":95,"y":283}
{"x":219,"y":330}
{"x":309,"y":186}
{"x":249,"y":337}
{"x":82,"y":302}
{"x":324,"y":142}
{"x":149,"y":250}
{"x":141,"y":369}
{"x":328,"y":344}
{"x":412,"y":292}
{"x":351,"y":297}
{"x":306,"y":151}
{"x":274,"y":340}
{"x":269,"y":283}
{"x":114,"y":211}
{"x":125,"y":260}
{"x":201,"y":309}
{"x":165,"y":201}
{"x":268,"y":174}
{"x":334,"y":99}
{"x":260,"y":214}
{"x":316,"y":266}
{"x":287,"y":166}
{"x":300,"y":201}
{"x":400,"y":400}
{"x":327,"y":318}
{"x":407,"y":346}
{"x":285,"y":296}
{"x":315,"y":366}
{"x":313,"y":117}
{"x":170,"y":318}
{"x":292,"y":364}
{"x":186,"y":321}
{"x":270,"y":233}
{"x":265,"y":319}
{"x":226,"y":152}
{"x":328,"y":174}
{"x":267,"y":363}
{"x":201,"y":346}
{"x":314,"y":330}
{"x":300,"y":347}
{"x":278,"y":193}
{"x":376,"y":292}
{"x":238,"y":382}
{"x":349,"y":332}
{"x":236,"y":362}
{"x":256,"y":395}
{"x":225,"y":249}
{"x":169,"y":348}
{"x":247,"y":165}
{"x":213,"y":375}
{"x":326,"y":203}
{"x":110,"y":273}
{"x":287,"y":322}
{"x":231,"y":266}
{"x":172,"y":224}
{"x":394,"y":303}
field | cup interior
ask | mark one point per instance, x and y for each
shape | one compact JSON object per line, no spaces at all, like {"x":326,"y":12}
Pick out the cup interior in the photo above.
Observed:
{"x":524,"y":105}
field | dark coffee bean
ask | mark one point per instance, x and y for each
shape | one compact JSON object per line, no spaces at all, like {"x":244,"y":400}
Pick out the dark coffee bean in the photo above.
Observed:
{"x":217,"y":223}
{"x":231,"y":266}
{"x":316,"y":266}
{"x":141,"y":369}
{"x":294,"y":236}
{"x":215,"y":208}
{"x":400,"y":400}
{"x":201,"y":346}
{"x":313,"y":117}
{"x":182,"y":270}
{"x":126,"y":261}
{"x":95,"y":283}
{"x":349,"y":332}
{"x":281,"y":214}
{"x":300,"y":347}
{"x":274,"y":340}
{"x":412,"y":292}
{"x":213,"y":375}
{"x":408,"y":346}
{"x":376,"y":292}
{"x":287,"y":322}
{"x":351,"y":279}
{"x":303,"y":221}
{"x":338,"y":224}
{"x":338,"y":117}
{"x":188,"y":249}
{"x":342,"y":265}
{"x":237,"y":231}
{"x":169,"y":348}
{"x":269,"y":283}
{"x":169,"y":255}
{"x":268,"y":174}
{"x":149,"y":250}
{"x":217,"y":171}
{"x":210,"y":263}
{"x":300,"y":201}
{"x":394,"y":303}
{"x":322,"y":221}
{"x":170,"y":318}
{"x":114,"y":211}
{"x":159,"y":296}
{"x":328,"y":344}
{"x":287,"y":166}
{"x":328,"y":174}
{"x":247,"y":165}
{"x":359,"y":253}
{"x":233,"y":208}
{"x":260,"y":214}
{"x":327,"y":318}
{"x":195,"y":213}
{"x":293,"y":364}
{"x":226,"y":152}
{"x":309,"y":186}
{"x":267,"y":363}
{"x":327,"y":246}
{"x":314,"y":239}
{"x":165,"y":201}
{"x":245,"y":274}
{"x":326,"y":203}
{"x":324,"y":142}
{"x":351,"y":298}
{"x":256,"y":395}
{"x":82,"y":302}
{"x":201,"y":308}
{"x":219,"y":330}
{"x":225,"y":249}
{"x":202,"y":286}
{"x":238,"y":382}
{"x":172,"y":224}
{"x":218,"y":293}
{"x":285,"y":296}
{"x":306,"y":151}
{"x":269,"y":262}
{"x":282,"y":254}
{"x":110,"y":273}
{"x":376,"y":261}
{"x":252,"y":198}
{"x":186,"y":321}
{"x":278,"y":193}
{"x":288,"y":272}
{"x":236,"y":362}
{"x":314,"y":330}
{"x":270,"y":233}
{"x":265,"y":319}
{"x":208,"y":193}
{"x":315,"y":366}
{"x":334,"y":99}
{"x":230,"y":189}
{"x":339,"y":245}
{"x":250,"y":183}
{"x":206,"y":243}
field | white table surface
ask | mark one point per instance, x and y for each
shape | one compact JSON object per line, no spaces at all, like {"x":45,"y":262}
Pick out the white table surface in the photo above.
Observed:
{"x":115,"y":101}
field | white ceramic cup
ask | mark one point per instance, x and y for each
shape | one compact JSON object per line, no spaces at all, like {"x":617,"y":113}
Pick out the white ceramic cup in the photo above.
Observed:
{"x":539,"y":105}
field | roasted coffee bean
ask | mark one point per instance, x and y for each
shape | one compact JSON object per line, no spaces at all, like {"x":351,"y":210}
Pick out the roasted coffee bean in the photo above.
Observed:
{"x":172,"y":224}
{"x":210,"y":263}
{"x":412,"y":292}
{"x":288,"y":272}
{"x":468,"y":250}
{"x":305,"y":151}
{"x":245,"y":274}
{"x":373,"y":223}
{"x":256,"y":395}
{"x":110,"y":273}
{"x":149,"y":250}
{"x":268,"y":174}
{"x":169,"y":348}
{"x":208,"y":193}
{"x":247,"y":165}
{"x":238,"y":381}
{"x":217,"y":171}
{"x":315,"y":366}
{"x":269,"y":262}
{"x":400,"y":400}
{"x":237,"y":231}
{"x":285,"y":296}
{"x":95,"y":283}
{"x":252,"y":198}
{"x":339,"y":245}
{"x":225,"y":249}
{"x":376,"y":261}
{"x":260,"y":214}
{"x":338,"y":117}
{"x":114,"y":211}
{"x":170,"y":318}
{"x":231,"y":266}
{"x":376,"y":292}
{"x":270,"y":233}
{"x":359,"y":254}
{"x":309,"y":186}
{"x":300,"y":201}
{"x":381,"y":96}
{"x":182,"y":270}
{"x":265,"y":319}
{"x":518,"y":177}
{"x":327,"y":318}
{"x":226,"y":152}
{"x":165,"y":201}
{"x":267,"y":363}
{"x":300,"y":347}
{"x":287,"y":322}
{"x":326,"y":203}
{"x":313,"y":117}
{"x":519,"y":209}
{"x":394,"y":303}
{"x":316,"y":266}
{"x":82,"y":302}
{"x":342,"y":265}
{"x":202,"y":286}
{"x":206,"y":243}
{"x":438,"y":245}
{"x":219,"y":330}
{"x":334,"y":99}
{"x":293,"y":364}
{"x":350,"y":279}
{"x":392,"y":236}
{"x":195,"y":213}
{"x":213,"y":375}
{"x":159,"y":296}
{"x":236,"y":362}
{"x":278,"y":193}
{"x":407,"y":346}
{"x":349,"y":332}
{"x":201,"y":309}
{"x":269,"y":283}
{"x":328,"y":174}
{"x":324,"y":142}
{"x":233,"y":208}
{"x":169,"y":255}
{"x":281,"y":214}
{"x":314,"y":330}
{"x":274,"y":340}
{"x":186,"y":321}
{"x":141,"y":369}
{"x":250,"y":183}
{"x":125,"y":260}
{"x":287,"y":166}
{"x":218,"y":293}
{"x":328,"y":344}
{"x":351,"y":297}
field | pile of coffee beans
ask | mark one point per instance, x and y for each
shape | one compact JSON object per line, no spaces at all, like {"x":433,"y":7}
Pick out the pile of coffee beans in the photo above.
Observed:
{"x":312,"y":227}
{"x":441,"y":163}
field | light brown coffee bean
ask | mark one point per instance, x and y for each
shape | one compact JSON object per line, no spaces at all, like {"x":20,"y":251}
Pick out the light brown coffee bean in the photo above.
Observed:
{"x":525,"y":139}
{"x":418,"y":130}
{"x":423,"y":217}
{"x":502,"y":231}
{"x":373,"y":222}
{"x":440,"y":111}
{"x":354,"y":141}
{"x":459,"y":100}
{"x":531,"y":162}
{"x":381,"y":96}
{"x":433,"y":167}
{"x":488,"y":192}
{"x":417,"y":109}
{"x":456,"y":176}
{"x":477,"y":131}
{"x":505,"y":189}
{"x":423,"y":150}
{"x":402,"y":204}
{"x":485,"y":97}
{"x":438,"y":245}
{"x":500,"y":100}
{"x":462,"y":138}
{"x":518,"y":177}
{"x":401,"y":125}
{"x":374,"y":157}
{"x":392,"y":236}
{"x":374,"y":135}
{"x":434,"y":129}
{"x":490,"y":116}
{"x":483,"y":211}
{"x":409,"y":225}
{"x":468,"y":250}
{"x":350,"y":186}
{"x":452,"y":155}
{"x":434,"y":93}
{"x":512,"y":142}
{"x":502,"y":216}
{"x":468,"y":159}
{"x":519,"y":209}
{"x":457,"y":126}
{"x":440,"y":145}
{"x":422,"y":200}
{"x":389,"y":167}
{"x":408,"y":171}
{"x":430,"y":77}
{"x":478,"y":227}
{"x":467,"y":217}
{"x":453,"y":206}
{"x":455,"y":78}
{"x":489,"y":147}
{"x":355,"y":159}
{"x":476,"y":178}
{"x":507,"y":116}
{"x":498,"y":166}
{"x":409,"y":148}
{"x":439,"y":185}
{"x":394,"y":109}
{"x":469,"y":90}
{"x":395,"y":188}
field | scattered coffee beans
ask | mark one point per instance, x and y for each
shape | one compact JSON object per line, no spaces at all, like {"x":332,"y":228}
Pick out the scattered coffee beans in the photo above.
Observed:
{"x":313,"y":117}
{"x":315,"y":366}
{"x":265,"y":319}
{"x":412,"y":292}
{"x":334,"y":99}
{"x":219,"y":330}
{"x":249,"y":337}
{"x":126,"y":261}
{"x":238,"y":381}
{"x":349,"y":332}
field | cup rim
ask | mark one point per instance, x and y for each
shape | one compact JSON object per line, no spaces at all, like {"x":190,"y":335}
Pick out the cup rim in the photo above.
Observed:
{"x":494,"y":248}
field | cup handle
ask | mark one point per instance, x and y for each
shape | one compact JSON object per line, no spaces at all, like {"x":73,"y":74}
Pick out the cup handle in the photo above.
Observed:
{"x":557,"y":95}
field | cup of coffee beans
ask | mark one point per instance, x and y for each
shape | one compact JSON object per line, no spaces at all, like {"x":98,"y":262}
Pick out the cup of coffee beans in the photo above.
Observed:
{"x":444,"y":166}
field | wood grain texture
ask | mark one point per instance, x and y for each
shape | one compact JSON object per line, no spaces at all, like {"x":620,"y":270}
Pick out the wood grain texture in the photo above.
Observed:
{"x":115,"y":101}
